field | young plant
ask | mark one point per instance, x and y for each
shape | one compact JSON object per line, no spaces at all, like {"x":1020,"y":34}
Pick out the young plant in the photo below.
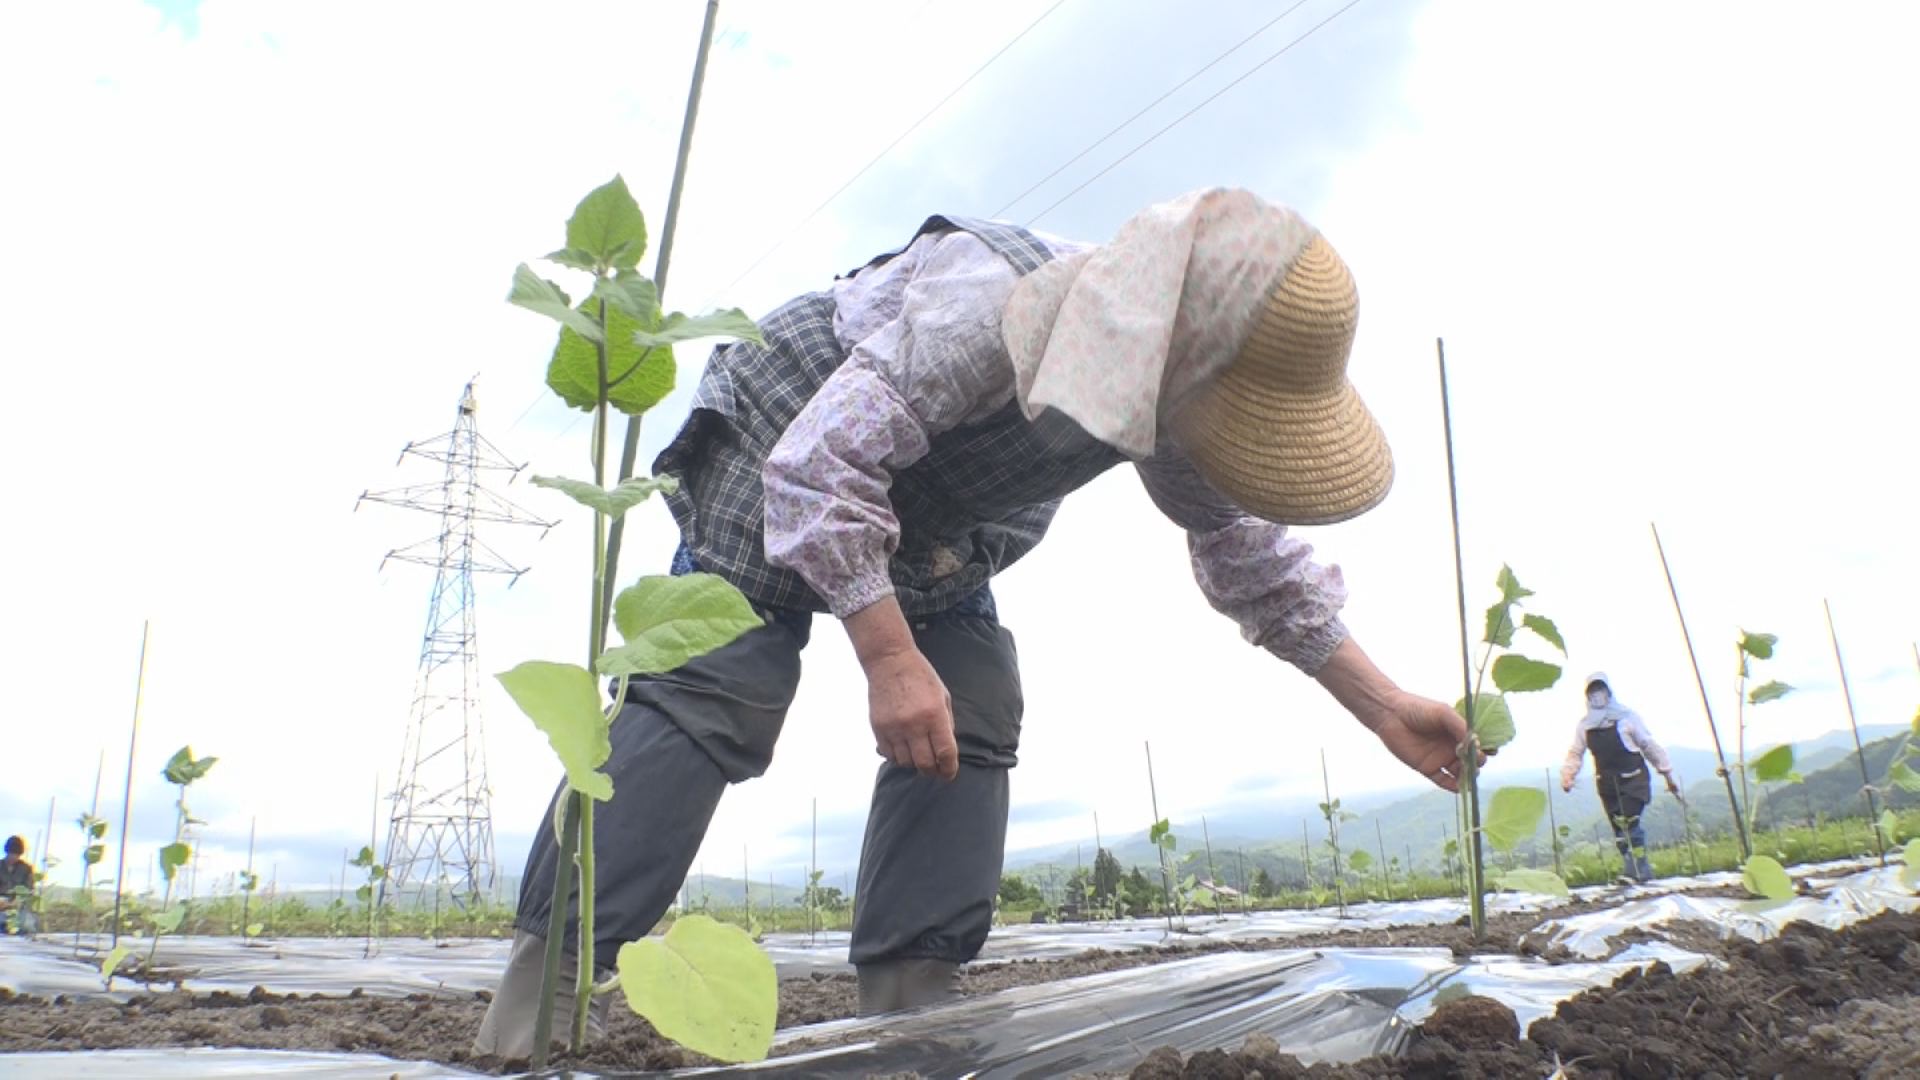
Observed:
{"x":93,"y":833}
{"x":1490,"y":723}
{"x":1513,"y":815}
{"x":1330,"y":810}
{"x":182,"y":770}
{"x":1751,"y":647}
{"x":1164,"y":844}
{"x":376,"y":874}
{"x":615,"y":354}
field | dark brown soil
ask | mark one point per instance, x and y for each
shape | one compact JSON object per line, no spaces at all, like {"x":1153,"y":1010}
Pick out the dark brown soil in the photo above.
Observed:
{"x":1778,"y":1010}
{"x":1812,"y":1004}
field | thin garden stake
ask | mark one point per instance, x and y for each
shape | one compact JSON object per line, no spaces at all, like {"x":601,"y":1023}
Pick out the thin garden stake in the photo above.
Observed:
{"x":1166,"y":882}
{"x":1739,"y":821}
{"x":1469,"y":753}
{"x":246,"y":897}
{"x":1381,"y":839}
{"x":126,"y":802}
{"x":662,"y":259}
{"x":1306,"y":857}
{"x":1245,"y":886}
{"x":1553,"y":822}
{"x":813,"y":877}
{"x":1860,"y":753}
{"x":1213,"y":879}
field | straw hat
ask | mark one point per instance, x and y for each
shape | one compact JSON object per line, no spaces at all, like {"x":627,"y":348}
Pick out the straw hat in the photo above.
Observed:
{"x":1280,"y":430}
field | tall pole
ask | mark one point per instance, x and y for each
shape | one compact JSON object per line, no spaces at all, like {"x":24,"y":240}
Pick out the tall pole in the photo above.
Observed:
{"x":1245,"y":886}
{"x":1166,"y":879}
{"x":1553,"y":823}
{"x":1470,"y":752}
{"x":1739,"y":821}
{"x":1860,"y":753}
{"x":662,"y":259}
{"x":1212,"y":878}
{"x":126,"y":800}
{"x":246,"y":897}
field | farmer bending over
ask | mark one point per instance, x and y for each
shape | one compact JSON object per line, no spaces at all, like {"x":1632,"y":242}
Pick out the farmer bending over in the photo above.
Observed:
{"x":1621,"y":747}
{"x":16,"y":889}
{"x":907,"y":434}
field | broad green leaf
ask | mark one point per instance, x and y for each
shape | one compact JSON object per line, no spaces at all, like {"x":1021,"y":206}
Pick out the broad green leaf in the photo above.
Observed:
{"x":676,"y":328}
{"x":574,"y":259}
{"x":365,"y":858}
{"x":1499,"y":629}
{"x":1348,"y":815}
{"x":1765,"y":877}
{"x":630,"y":493}
{"x":1889,"y":825}
{"x":706,"y":986}
{"x":1772,"y":691}
{"x":1774,"y":765}
{"x":607,"y":225}
{"x":377,"y":872}
{"x":1512,"y":815}
{"x":1910,"y":874}
{"x":1904,"y":777}
{"x":1543,"y":882}
{"x":1516,"y":674}
{"x":166,"y":922}
{"x":1509,"y":586}
{"x":1492,"y":720}
{"x":1451,"y":849}
{"x":183,"y":769}
{"x":1758,"y":646}
{"x":255,"y":929}
{"x":667,"y":621}
{"x":173,"y":857}
{"x":1159,"y":832}
{"x":543,"y":297}
{"x":1360,"y":861}
{"x":1543,"y":626}
{"x":114,"y":959}
{"x":632,"y":292}
{"x":364,"y":893}
{"x":95,"y":852}
{"x":637,"y":378}
{"x":563,"y":702}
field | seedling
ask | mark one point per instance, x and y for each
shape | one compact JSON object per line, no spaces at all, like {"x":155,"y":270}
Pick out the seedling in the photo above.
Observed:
{"x":376,"y":874}
{"x":182,"y":770}
{"x":1330,"y":810}
{"x":615,"y":353}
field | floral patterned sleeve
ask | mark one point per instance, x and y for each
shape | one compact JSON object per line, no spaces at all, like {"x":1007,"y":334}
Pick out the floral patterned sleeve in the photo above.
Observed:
{"x":1250,"y":570}
{"x":930,"y":360}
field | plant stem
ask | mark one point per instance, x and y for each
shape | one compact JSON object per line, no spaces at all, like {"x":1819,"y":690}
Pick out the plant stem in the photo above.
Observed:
{"x":1213,"y":878}
{"x":126,"y":802}
{"x":1333,"y":838}
{"x":583,"y":963}
{"x":662,"y":260}
{"x":1470,"y":750}
{"x":1553,"y":823}
{"x":1860,"y":753}
{"x":1740,"y":726}
{"x":556,"y":928}
{"x":1166,"y":878}
{"x":1739,"y":822}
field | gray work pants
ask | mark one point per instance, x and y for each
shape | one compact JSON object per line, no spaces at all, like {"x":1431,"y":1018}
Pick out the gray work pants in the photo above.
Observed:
{"x":930,"y":863}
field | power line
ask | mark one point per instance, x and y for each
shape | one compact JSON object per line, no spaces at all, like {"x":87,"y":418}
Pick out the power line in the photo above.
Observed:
{"x":864,"y":169}
{"x":1149,"y":107}
{"x":1282,"y":51}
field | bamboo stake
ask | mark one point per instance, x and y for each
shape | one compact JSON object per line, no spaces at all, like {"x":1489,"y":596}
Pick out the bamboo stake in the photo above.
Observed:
{"x":1860,"y":753}
{"x":1470,"y":751}
{"x":1166,"y":881}
{"x":1739,"y":821}
{"x":1553,"y":823}
{"x":126,"y":802}
{"x":1212,"y":878}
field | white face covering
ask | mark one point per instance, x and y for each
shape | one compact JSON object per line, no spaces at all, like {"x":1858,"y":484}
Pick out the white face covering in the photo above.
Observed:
{"x":1597,"y":698}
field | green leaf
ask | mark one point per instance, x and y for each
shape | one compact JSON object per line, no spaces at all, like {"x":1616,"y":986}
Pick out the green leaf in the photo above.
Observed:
{"x":607,"y":226}
{"x":632,"y":292}
{"x":1509,"y":586}
{"x":1774,"y":765}
{"x":543,"y":297}
{"x":1904,"y":777}
{"x":1772,"y":691}
{"x":1360,"y":861}
{"x":112,"y":963}
{"x":676,"y":328}
{"x":632,"y":492}
{"x":364,"y":893}
{"x":1515,"y":674}
{"x":667,"y":621}
{"x":1765,"y":877}
{"x":562,"y":700}
{"x":166,"y":922}
{"x":183,"y":769}
{"x":574,"y":259}
{"x":95,"y":852}
{"x":96,"y":828}
{"x":1889,"y":826}
{"x":1758,"y":646}
{"x":637,"y":377}
{"x":1492,"y":720}
{"x":365,"y":858}
{"x":1450,"y":849}
{"x":1544,"y":627}
{"x":1499,"y":625}
{"x":1910,"y":874}
{"x":1512,"y":815}
{"x":173,"y":857}
{"x":1543,"y":882}
{"x":1160,"y":831}
{"x":706,"y":986}
{"x":255,"y":929}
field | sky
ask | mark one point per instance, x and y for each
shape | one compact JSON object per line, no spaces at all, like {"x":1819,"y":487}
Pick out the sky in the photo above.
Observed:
{"x":1668,"y":248}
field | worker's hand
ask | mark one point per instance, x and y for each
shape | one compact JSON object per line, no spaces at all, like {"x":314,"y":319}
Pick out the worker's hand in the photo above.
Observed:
{"x":1673,"y":786}
{"x":1566,"y":782}
{"x":1424,"y":734}
{"x":908,"y":705}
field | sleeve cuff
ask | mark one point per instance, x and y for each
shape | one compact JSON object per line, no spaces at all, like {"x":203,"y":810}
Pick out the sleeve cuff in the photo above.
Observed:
{"x":859,"y":595}
{"x":1310,"y":651}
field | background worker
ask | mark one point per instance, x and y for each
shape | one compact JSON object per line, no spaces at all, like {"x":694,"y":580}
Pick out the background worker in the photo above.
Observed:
{"x":1622,"y":749}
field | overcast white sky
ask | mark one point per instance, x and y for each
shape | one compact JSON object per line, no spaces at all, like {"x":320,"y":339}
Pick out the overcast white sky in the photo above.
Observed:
{"x":253,"y":248}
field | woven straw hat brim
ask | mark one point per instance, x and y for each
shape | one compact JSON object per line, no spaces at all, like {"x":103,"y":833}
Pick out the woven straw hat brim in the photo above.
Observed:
{"x":1282,"y":431}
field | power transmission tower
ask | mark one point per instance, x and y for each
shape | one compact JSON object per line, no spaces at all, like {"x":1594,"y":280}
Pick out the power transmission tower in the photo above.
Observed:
{"x":440,"y":833}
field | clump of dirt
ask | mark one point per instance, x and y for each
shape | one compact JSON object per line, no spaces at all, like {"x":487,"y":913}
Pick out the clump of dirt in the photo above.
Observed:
{"x":1473,"y":1023}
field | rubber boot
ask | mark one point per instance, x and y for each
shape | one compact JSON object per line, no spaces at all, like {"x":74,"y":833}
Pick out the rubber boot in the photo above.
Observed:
{"x":506,"y":1031}
{"x":1643,"y":870}
{"x":896,"y":985}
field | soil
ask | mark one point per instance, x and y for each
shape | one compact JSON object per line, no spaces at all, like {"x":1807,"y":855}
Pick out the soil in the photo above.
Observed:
{"x":1811,"y":1003}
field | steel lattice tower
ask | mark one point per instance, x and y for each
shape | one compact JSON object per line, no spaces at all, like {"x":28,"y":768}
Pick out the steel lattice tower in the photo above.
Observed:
{"x":441,"y":825}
